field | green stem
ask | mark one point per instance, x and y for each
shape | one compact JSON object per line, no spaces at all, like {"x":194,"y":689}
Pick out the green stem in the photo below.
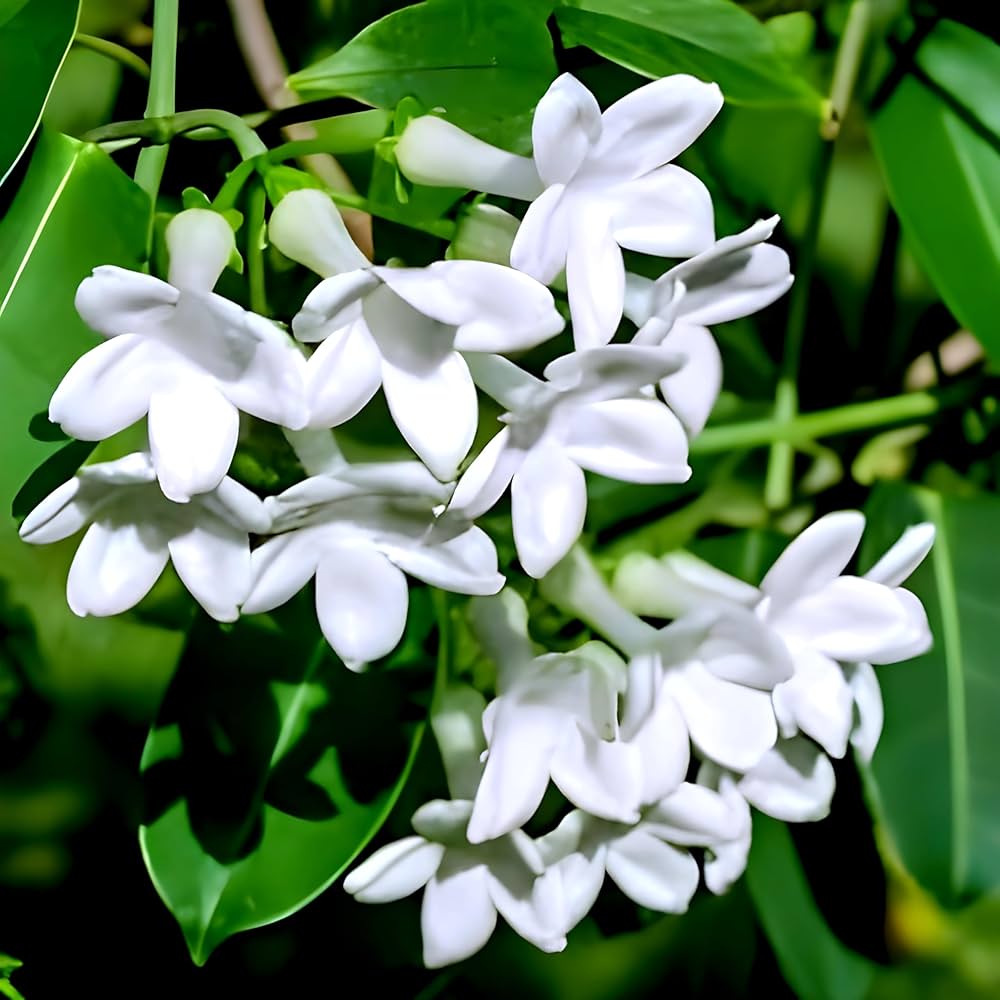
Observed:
{"x":780,"y":466}
{"x":160,"y":130}
{"x":112,"y":50}
{"x":256,"y":202}
{"x":163,"y":73}
{"x":911,"y":406}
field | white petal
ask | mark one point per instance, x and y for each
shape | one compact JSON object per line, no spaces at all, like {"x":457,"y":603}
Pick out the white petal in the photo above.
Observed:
{"x":332,"y":304}
{"x":457,"y":916}
{"x":602,"y":778}
{"x":849,"y":619}
{"x":466,"y":564}
{"x":548,"y":506}
{"x":904,"y":557}
{"x":114,"y":301}
{"x":793,"y":782}
{"x":394,"y":871}
{"x":238,"y":506}
{"x":61,"y":514}
{"x":493,"y":307}
{"x":731,"y":724}
{"x":342,"y":375}
{"x":595,"y":277}
{"x":443,"y":820}
{"x":484,"y":481}
{"x":816,"y":557}
{"x":742,"y":649}
{"x":654,"y":123}
{"x":664,"y":750}
{"x":871,"y":714}
{"x":200,"y":243}
{"x":115,"y":567}
{"x":818,"y":699}
{"x":635,"y":440}
{"x":532,"y":905}
{"x":694,"y":815}
{"x":512,"y":387}
{"x":523,"y":737}
{"x":652,"y":873}
{"x":192,"y":437}
{"x":733,"y":285}
{"x":639,"y":298}
{"x":306,"y":226}
{"x":270,"y":380}
{"x":135,"y":469}
{"x":361,"y":601}
{"x":612,"y":371}
{"x":213,"y":561}
{"x":280,"y":568}
{"x":542,"y":240}
{"x":108,"y":389}
{"x":667,"y":212}
{"x":566,"y":124}
{"x":691,"y":393}
{"x":582,"y":875}
{"x":434,"y":152}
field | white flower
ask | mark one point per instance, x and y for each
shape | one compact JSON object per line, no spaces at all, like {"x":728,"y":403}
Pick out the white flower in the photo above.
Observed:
{"x":134,"y":530}
{"x":556,"y":716}
{"x":648,"y":860}
{"x":187,"y":357}
{"x":823,"y":619}
{"x":589,"y":414}
{"x":465,"y":885}
{"x":739,"y":275}
{"x":357,"y":531}
{"x":599,"y":182}
{"x":403,"y":328}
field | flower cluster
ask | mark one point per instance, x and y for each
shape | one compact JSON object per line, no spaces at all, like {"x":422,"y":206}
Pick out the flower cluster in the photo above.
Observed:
{"x":740,"y":701}
{"x":763,"y":684}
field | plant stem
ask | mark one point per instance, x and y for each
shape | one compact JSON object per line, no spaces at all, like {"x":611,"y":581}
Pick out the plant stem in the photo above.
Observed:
{"x":839,"y":420}
{"x":163,"y":73}
{"x":159,"y":130}
{"x":112,"y":50}
{"x":778,"y":484}
{"x":256,"y":202}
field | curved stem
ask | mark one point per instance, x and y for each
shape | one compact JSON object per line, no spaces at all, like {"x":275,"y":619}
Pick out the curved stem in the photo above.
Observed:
{"x":112,"y":50}
{"x":256,"y":202}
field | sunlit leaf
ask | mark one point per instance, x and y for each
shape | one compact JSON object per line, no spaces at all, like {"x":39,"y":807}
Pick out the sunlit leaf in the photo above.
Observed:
{"x":74,"y":211}
{"x":714,"y":40}
{"x":935,"y":776}
{"x":484,"y":62}
{"x":35,"y":36}
{"x":268,"y":770}
{"x":815,"y":963}
{"x":943,"y":177}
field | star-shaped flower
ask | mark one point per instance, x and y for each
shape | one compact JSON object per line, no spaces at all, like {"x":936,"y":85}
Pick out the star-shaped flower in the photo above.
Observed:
{"x":605,"y":181}
{"x":587,"y":414}
{"x":402,"y":329}
{"x":187,"y":357}
{"x":134,"y":530}
{"x":359,"y":531}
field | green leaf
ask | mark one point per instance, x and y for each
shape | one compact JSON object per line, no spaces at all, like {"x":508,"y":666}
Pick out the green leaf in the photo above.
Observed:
{"x":7,"y":966}
{"x":966,"y":65}
{"x":35,"y":36}
{"x":711,"y":39}
{"x":813,"y":960}
{"x":935,"y":777}
{"x":484,"y":62}
{"x":268,"y":770}
{"x":74,"y":211}
{"x":943,"y":178}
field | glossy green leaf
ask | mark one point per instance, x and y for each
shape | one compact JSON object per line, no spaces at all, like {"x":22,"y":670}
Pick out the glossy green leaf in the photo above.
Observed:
{"x":35,"y":36}
{"x":935,"y":776}
{"x":74,"y":210}
{"x":484,"y":62}
{"x":815,"y":963}
{"x":966,"y":64}
{"x":711,"y":39}
{"x":268,"y":770}
{"x":943,"y":177}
